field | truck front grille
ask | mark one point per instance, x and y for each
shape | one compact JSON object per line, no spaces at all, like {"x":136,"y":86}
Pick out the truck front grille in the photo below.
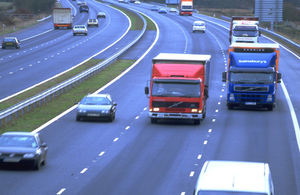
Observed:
{"x":250,"y":98}
{"x":251,"y":88}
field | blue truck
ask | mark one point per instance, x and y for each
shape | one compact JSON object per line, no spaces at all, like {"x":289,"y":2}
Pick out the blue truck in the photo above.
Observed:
{"x":252,"y":75}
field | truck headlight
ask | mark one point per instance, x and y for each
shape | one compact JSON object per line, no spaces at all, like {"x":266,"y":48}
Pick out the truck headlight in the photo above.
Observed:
{"x":155,"y":109}
{"x":269,"y":98}
{"x":231,"y":97}
{"x":194,"y":110}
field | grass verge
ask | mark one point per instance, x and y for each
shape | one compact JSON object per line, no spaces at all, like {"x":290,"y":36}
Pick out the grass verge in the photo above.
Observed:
{"x":41,"y":115}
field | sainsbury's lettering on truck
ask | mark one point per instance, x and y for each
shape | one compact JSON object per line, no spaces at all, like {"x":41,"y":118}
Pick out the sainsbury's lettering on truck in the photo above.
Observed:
{"x":244,"y":29}
{"x":178,"y":87}
{"x":186,"y":7}
{"x":252,"y":75}
{"x":62,"y":17}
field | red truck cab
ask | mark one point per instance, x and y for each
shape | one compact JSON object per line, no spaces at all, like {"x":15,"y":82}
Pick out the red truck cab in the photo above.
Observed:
{"x":178,"y":87}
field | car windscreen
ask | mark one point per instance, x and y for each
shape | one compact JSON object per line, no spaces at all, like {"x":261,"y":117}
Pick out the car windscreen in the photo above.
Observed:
{"x":18,"y":141}
{"x":95,"y":101}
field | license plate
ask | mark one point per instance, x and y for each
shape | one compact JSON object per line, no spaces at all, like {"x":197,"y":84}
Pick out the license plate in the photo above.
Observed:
{"x":12,"y":160}
{"x":93,"y":114}
{"x":250,"y":103}
{"x":8,"y":43}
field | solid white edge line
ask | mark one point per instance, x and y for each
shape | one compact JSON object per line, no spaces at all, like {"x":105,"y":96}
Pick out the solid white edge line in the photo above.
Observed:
{"x":105,"y":86}
{"x":293,"y":114}
{"x":73,"y":66}
{"x":286,"y":94}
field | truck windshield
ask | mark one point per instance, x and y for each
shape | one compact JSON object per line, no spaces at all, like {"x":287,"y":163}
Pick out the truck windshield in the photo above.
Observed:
{"x":251,"y":77}
{"x":187,"y":7}
{"x":176,"y":89}
{"x":228,"y":193}
{"x":245,"y":32}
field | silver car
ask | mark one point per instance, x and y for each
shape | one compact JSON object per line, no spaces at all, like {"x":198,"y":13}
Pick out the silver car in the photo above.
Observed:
{"x":23,"y":148}
{"x":80,"y":29}
{"x":96,"y":106}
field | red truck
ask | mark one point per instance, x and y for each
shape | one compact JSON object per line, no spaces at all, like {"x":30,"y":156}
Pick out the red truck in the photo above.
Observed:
{"x":178,"y":87}
{"x":186,"y":7}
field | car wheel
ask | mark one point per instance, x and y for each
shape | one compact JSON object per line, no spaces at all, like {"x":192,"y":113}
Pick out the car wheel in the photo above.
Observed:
{"x":230,"y":107}
{"x":110,"y":119}
{"x":193,"y":31}
{"x":74,"y":34}
{"x":85,"y":34}
{"x":78,"y":118}
{"x":3,"y":47}
{"x":37,"y":166}
{"x":44,"y":161}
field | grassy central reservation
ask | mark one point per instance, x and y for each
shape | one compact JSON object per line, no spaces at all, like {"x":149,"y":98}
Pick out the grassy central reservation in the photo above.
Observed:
{"x":56,"y":106}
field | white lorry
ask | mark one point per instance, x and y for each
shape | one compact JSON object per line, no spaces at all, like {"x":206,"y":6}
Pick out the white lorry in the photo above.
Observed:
{"x":62,"y":17}
{"x":244,"y":29}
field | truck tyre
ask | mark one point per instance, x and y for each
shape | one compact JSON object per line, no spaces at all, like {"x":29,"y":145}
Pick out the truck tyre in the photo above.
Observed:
{"x":230,"y":107}
{"x":153,"y":120}
{"x":270,"y":107}
{"x":197,"y":121}
{"x":204,"y":115}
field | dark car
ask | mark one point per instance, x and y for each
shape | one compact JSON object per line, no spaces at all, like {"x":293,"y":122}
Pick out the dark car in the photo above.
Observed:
{"x":23,"y":148}
{"x":96,"y":106}
{"x":84,"y":8}
{"x":10,"y":42}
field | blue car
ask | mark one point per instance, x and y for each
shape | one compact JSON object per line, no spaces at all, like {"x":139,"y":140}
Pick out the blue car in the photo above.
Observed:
{"x":162,"y":11}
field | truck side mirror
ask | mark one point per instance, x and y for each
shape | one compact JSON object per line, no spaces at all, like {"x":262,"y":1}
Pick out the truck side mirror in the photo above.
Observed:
{"x":146,"y":90}
{"x":259,"y":33}
{"x":224,"y":74}
{"x":278,"y":77}
{"x":230,"y":33}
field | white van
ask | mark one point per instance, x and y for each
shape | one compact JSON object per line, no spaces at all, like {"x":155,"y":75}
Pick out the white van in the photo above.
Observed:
{"x":234,"y":177}
{"x":199,"y":26}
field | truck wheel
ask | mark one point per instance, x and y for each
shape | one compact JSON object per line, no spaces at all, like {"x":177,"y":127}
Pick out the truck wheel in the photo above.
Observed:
{"x":153,"y":120}
{"x":204,"y":115}
{"x":230,"y":107}
{"x":270,"y":107}
{"x":197,"y":122}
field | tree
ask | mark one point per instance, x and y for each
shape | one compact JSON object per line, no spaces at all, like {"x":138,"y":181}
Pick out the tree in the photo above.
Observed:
{"x":35,"y":6}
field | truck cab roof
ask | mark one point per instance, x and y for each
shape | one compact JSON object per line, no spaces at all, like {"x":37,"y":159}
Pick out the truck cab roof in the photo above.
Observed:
{"x":181,"y":57}
{"x":254,"y":45}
